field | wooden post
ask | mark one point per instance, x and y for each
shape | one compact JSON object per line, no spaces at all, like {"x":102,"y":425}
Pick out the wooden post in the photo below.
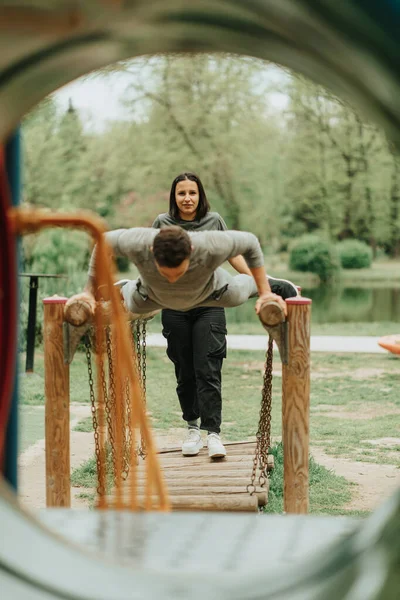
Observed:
{"x":296,"y":406}
{"x":56,"y":383}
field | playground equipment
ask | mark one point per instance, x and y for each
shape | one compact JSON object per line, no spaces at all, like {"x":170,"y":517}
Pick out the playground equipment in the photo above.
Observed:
{"x":237,"y":483}
{"x":351,"y":47}
{"x":56,"y":379}
{"x":34,"y":279}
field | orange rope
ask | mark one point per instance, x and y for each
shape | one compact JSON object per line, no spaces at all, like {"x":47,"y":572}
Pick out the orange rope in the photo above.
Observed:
{"x":28,"y":220}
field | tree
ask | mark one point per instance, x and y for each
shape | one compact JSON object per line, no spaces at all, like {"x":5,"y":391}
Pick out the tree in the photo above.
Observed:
{"x":336,"y":158}
{"x":198,"y":109}
{"x":70,"y":150}
{"x":41,"y":165}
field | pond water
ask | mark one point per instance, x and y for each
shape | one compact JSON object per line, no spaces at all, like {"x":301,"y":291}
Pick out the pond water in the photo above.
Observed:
{"x":356,"y":305}
{"x":340,"y":305}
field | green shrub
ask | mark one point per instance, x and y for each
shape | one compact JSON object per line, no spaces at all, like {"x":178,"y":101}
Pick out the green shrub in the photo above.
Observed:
{"x":314,"y":254}
{"x":354,"y":254}
{"x":58,"y":251}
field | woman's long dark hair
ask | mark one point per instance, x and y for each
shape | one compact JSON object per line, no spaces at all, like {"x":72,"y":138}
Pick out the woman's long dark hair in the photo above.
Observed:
{"x":203,"y":206}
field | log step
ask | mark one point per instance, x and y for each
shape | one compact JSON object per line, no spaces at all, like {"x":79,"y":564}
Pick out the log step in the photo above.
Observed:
{"x":198,"y":483}
{"x":209,"y":490}
{"x":231,"y":503}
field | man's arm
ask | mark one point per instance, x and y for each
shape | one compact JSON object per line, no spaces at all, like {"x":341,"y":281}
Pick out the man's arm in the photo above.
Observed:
{"x":237,"y":262}
{"x":252,"y":266}
{"x":112,"y":238}
{"x":264,"y":290}
{"x":229,"y":244}
{"x":219,"y":246}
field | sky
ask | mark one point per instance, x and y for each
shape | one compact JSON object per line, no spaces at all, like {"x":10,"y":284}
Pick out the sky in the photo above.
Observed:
{"x":98,"y":100}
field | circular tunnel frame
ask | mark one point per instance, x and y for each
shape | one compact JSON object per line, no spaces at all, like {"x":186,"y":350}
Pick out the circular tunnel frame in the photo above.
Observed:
{"x":352,"y":48}
{"x":314,"y":38}
{"x":8,"y":306}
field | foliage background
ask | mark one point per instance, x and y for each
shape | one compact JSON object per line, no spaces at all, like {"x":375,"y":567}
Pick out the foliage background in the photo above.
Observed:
{"x":314,"y":166}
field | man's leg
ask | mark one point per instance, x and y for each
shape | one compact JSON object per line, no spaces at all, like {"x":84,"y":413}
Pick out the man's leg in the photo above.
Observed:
{"x":209,"y":350}
{"x":242,"y":287}
{"x":133,"y":300}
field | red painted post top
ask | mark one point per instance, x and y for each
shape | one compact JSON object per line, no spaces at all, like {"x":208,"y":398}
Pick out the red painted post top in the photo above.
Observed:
{"x":55,"y":300}
{"x":298,"y":300}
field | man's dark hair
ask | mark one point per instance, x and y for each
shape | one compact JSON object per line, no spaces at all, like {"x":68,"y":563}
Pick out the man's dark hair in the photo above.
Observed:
{"x":171,"y":246}
{"x":203,"y":206}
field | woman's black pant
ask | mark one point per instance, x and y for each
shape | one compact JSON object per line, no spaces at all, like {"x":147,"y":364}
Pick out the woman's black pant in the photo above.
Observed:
{"x":196,"y":344}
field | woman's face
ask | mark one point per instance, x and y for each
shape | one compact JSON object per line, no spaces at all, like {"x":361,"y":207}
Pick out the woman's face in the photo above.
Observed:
{"x":187,"y":199}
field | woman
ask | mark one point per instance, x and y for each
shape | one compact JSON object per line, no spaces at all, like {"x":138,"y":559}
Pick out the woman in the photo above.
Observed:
{"x":196,"y":339}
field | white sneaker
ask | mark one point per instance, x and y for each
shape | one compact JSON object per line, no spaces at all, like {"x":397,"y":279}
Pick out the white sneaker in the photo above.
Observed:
{"x":216,"y":448}
{"x":121,"y":283}
{"x":193,"y":443}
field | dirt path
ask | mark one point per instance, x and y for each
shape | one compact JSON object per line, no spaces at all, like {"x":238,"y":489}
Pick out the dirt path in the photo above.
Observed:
{"x":373,"y":482}
{"x":32,"y":468}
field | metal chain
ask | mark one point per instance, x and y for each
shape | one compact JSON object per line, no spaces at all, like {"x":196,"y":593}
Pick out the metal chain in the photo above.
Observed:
{"x":113,"y":405}
{"x":138,"y":329}
{"x":128,"y":424}
{"x":138,"y":348}
{"x":263,"y":437}
{"x":144,"y":358}
{"x":100,"y":490}
{"x":142,"y":449}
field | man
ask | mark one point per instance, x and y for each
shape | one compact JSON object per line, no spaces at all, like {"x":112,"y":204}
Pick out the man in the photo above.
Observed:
{"x":181,"y":270}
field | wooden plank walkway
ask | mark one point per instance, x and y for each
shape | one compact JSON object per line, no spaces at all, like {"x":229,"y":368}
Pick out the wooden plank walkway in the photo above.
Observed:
{"x":200,"y":483}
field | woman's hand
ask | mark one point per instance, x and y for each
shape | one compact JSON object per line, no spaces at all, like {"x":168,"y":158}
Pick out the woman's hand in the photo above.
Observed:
{"x":267,"y":296}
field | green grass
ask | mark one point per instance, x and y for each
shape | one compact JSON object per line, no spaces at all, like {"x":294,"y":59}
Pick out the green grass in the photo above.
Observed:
{"x":32,"y":423}
{"x":85,"y":476}
{"x":32,"y":385}
{"x":31,"y":426}
{"x":328,"y":492}
{"x":362,"y":389}
{"x":90,"y":498}
{"x":377,"y":329}
{"x":354,"y":398}
{"x":84,"y":425}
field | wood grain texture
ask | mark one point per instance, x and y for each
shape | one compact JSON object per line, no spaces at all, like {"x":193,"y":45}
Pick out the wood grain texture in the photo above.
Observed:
{"x":271,"y":314}
{"x":56,"y":383}
{"x":296,"y":410}
{"x":80,"y":309}
{"x":199,"y":483}
{"x":229,"y":503}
